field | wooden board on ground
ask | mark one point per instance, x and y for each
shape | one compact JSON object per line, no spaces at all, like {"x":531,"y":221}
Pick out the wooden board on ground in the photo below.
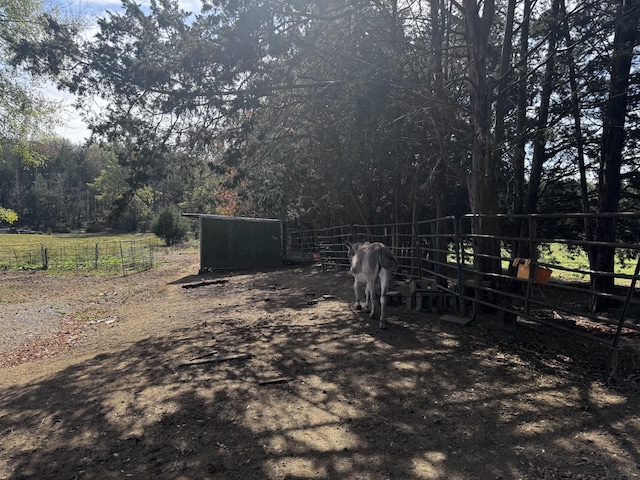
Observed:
{"x":204,"y":283}
{"x":271,"y":381}
{"x":240,"y":356}
{"x":458,"y":320}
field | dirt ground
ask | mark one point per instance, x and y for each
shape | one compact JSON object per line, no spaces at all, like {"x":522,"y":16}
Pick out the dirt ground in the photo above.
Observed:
{"x":274,"y":375}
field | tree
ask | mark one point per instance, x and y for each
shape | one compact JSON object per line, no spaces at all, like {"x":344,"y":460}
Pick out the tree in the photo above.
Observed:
{"x":483,"y":185}
{"x":8,"y":215}
{"x":170,"y":225}
{"x":540,"y":137}
{"x":128,"y":209}
{"x":613,"y":138}
{"x":26,"y":115}
{"x":33,"y":42}
{"x":334,"y":112}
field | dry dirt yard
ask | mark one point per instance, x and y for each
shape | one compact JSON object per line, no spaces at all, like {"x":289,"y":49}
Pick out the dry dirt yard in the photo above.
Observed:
{"x":274,"y":375}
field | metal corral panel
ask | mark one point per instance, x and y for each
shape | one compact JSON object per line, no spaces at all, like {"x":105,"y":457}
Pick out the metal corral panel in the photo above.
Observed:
{"x":234,"y":242}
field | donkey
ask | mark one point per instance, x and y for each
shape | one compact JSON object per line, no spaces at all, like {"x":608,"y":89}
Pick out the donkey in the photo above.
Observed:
{"x":368,"y":262}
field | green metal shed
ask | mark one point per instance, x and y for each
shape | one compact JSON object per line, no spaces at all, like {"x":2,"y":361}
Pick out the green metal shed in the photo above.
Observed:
{"x":240,"y":243}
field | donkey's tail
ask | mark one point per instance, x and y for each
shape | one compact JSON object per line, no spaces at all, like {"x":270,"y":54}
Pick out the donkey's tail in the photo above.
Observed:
{"x":387,"y":260}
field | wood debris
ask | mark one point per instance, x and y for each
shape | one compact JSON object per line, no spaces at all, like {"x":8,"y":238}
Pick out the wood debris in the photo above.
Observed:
{"x":204,"y":283}
{"x":206,"y":355}
{"x":239,"y":356}
{"x":271,"y":381}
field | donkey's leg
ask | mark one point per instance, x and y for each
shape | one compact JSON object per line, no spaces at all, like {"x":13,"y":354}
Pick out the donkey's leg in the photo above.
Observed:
{"x":355,"y":290}
{"x":385,"y":279}
{"x":371,"y":298}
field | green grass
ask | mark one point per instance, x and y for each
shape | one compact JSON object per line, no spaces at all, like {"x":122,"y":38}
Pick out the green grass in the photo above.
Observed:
{"x":89,"y":253}
{"x":66,"y":239}
{"x":573,"y":258}
{"x":576,"y":258}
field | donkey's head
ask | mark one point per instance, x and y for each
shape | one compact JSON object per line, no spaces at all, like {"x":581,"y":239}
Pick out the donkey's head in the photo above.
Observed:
{"x":352,"y":249}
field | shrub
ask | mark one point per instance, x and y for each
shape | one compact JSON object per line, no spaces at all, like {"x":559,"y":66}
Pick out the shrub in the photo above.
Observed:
{"x":170,"y":225}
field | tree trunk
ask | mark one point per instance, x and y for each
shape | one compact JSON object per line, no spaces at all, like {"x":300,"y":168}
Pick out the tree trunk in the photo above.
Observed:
{"x":483,"y":189}
{"x":502,"y":100}
{"x":503,"y":81}
{"x":540,"y":138}
{"x":440,"y":182}
{"x":579,"y":139}
{"x":522,"y":249}
{"x":613,"y":141}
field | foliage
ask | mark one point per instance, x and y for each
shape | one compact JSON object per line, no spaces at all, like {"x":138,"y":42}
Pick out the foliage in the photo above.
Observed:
{"x":170,"y":225}
{"x":129,"y":209}
{"x":55,"y":195}
{"x":331,"y":112}
{"x":8,"y":216}
{"x":26,"y":115}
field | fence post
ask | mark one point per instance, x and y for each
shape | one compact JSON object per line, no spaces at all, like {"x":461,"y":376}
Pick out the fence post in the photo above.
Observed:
{"x":612,"y":365}
{"x":45,"y":257}
{"x":416,"y":249}
{"x":124,"y":270}
{"x":533,"y":255}
{"x":459,"y":251}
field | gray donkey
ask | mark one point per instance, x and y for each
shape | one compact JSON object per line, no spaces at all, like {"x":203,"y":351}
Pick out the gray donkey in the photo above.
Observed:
{"x":368,"y":262}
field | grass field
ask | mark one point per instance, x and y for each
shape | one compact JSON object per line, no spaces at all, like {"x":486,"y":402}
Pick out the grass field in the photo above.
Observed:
{"x":27,"y":241}
{"x":570,"y":263}
{"x":73,"y":252}
{"x":576,"y":259}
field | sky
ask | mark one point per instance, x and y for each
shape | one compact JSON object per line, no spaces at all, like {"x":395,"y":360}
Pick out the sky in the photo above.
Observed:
{"x":73,"y":128}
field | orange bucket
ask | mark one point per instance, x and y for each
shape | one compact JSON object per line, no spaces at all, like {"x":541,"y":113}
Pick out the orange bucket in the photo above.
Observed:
{"x":542,"y":274}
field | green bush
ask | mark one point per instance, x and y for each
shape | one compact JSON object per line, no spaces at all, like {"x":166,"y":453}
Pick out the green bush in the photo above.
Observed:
{"x":170,"y":225}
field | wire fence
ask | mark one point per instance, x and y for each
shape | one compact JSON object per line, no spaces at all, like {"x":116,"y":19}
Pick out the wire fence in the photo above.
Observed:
{"x":136,"y":256}
{"x":126,"y":256}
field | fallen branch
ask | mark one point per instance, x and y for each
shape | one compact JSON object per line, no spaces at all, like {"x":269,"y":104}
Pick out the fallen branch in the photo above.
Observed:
{"x":206,"y":355}
{"x":239,"y":356}
{"x":206,"y":282}
{"x":271,"y":381}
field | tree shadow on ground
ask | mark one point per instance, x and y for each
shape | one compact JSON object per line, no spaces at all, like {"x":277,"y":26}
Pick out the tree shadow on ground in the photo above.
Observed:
{"x":321,"y":394}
